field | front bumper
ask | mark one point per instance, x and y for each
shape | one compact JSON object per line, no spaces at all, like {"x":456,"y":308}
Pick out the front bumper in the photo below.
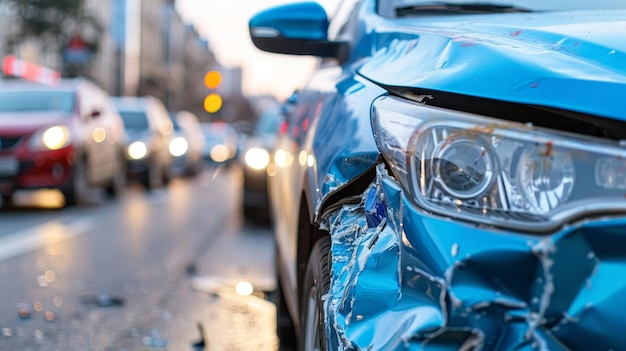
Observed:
{"x":181,"y":164}
{"x":36,"y":170}
{"x":255,"y":188}
{"x":138,"y":169}
{"x":405,"y":280}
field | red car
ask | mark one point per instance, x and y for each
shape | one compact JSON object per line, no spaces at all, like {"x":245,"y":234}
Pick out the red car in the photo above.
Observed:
{"x":66,"y":136}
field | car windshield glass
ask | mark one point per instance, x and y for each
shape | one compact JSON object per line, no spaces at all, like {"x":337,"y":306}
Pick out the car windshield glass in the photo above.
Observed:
{"x":403,"y":6}
{"x":134,"y":120}
{"x":36,"y":101}
{"x":212,"y":139}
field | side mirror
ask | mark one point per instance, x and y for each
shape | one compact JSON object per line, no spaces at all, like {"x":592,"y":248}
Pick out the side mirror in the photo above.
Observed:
{"x":296,"y":29}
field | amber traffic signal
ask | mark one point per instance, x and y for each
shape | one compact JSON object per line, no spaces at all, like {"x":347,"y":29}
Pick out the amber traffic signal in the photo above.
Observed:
{"x":212,"y":79}
{"x":213,"y":101}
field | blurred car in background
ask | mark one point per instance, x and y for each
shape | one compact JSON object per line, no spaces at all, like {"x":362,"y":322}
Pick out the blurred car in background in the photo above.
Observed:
{"x":149,"y":131}
{"x":187,"y":144}
{"x":458,"y":175}
{"x":221,"y":143}
{"x":257,"y":156}
{"x":67,"y":136}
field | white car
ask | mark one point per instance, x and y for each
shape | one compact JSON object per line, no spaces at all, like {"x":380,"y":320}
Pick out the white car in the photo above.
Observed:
{"x":149,"y":131}
{"x":187,"y":145}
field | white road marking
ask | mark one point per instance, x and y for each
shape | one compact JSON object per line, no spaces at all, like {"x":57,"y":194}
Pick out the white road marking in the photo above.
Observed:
{"x":46,"y":234}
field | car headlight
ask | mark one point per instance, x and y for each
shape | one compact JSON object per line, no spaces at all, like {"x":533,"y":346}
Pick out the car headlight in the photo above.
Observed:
{"x":51,"y":138}
{"x":498,"y":172}
{"x":220,"y":153}
{"x":137,"y":150}
{"x":257,"y":158}
{"x":178,"y":146}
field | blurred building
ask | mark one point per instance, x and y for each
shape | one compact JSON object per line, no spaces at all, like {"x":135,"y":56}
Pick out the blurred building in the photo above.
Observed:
{"x":138,"y":47}
{"x":159,"y":54}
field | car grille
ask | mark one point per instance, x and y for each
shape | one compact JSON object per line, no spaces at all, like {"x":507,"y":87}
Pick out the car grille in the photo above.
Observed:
{"x":7,"y":143}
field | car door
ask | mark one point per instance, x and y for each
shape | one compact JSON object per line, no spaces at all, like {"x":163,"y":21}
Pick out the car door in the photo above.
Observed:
{"x":98,"y":151}
{"x":162,"y":130}
{"x":108,"y":133}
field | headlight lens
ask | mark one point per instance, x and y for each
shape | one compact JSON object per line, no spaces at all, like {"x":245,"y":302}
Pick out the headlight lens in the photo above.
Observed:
{"x":257,"y":158}
{"x":220,"y":153}
{"x":137,"y":150}
{"x":547,"y":181}
{"x":463,"y":167}
{"x":498,"y":172}
{"x":51,"y":138}
{"x":178,"y":146}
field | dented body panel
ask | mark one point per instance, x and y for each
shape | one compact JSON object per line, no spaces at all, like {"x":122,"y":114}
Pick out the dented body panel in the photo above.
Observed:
{"x":545,"y":59}
{"x":406,"y":280}
{"x":424,"y":258}
{"x":566,"y":60}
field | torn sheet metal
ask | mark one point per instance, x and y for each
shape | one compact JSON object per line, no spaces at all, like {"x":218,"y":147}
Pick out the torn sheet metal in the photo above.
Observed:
{"x":404,"y":280}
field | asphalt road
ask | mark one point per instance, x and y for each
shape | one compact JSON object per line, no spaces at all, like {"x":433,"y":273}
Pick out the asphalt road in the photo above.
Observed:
{"x":173,"y":269}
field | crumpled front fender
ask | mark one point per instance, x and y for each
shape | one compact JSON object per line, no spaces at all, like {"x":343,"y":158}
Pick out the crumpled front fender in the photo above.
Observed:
{"x":405,"y":280}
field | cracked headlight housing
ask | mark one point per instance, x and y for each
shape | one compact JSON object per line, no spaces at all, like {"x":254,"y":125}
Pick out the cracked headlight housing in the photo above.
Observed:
{"x":498,"y":172}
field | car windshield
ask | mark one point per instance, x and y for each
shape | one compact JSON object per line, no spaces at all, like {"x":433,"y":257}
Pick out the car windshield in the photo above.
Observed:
{"x":134,"y":120}
{"x":268,"y":122}
{"x":36,"y":101}
{"x":507,"y":6}
{"x":213,"y":139}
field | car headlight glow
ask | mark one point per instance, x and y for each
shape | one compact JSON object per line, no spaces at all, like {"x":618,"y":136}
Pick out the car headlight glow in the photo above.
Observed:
{"x":220,"y":153}
{"x":498,"y":172}
{"x":257,"y":158}
{"x":51,"y":138}
{"x":55,"y":137}
{"x":137,"y":150}
{"x":178,"y":146}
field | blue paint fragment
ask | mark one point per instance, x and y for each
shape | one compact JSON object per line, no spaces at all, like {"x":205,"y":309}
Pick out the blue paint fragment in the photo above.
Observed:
{"x":374,"y":208}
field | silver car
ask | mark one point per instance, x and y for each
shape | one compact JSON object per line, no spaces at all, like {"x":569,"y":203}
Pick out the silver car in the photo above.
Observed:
{"x":149,"y":132}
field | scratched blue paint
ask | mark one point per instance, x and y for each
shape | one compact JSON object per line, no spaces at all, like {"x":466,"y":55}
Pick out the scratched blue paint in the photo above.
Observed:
{"x":539,"y":58}
{"x":406,"y":279}
{"x":344,"y":147}
{"x":444,"y":285}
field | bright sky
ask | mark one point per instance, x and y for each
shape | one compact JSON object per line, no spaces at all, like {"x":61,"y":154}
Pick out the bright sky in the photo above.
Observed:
{"x":225,"y":25}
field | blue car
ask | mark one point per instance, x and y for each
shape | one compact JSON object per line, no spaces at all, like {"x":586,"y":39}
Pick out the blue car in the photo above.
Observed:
{"x":454,"y":175}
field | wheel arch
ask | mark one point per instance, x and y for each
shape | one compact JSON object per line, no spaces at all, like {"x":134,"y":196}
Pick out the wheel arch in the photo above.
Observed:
{"x":310,"y":220}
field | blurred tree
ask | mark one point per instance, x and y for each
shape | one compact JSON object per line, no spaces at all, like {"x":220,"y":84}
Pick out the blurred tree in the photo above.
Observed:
{"x":53,"y":23}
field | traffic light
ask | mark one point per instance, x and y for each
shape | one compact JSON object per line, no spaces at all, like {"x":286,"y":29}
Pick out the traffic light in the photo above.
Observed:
{"x":213,"y":101}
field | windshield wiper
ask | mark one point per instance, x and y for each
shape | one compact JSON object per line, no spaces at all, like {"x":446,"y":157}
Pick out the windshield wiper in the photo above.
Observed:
{"x":438,"y":8}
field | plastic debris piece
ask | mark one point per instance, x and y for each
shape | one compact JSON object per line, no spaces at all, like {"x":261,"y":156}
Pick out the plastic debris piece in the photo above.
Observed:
{"x":24,"y":313}
{"x":103,"y":300}
{"x":49,"y":315}
{"x":200,"y":344}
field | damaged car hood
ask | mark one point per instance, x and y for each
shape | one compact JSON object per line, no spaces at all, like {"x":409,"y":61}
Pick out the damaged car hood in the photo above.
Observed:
{"x":566,"y":60}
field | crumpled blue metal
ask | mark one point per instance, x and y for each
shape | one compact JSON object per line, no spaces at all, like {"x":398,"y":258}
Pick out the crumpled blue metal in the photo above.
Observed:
{"x":539,"y":58}
{"x":410,"y":281}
